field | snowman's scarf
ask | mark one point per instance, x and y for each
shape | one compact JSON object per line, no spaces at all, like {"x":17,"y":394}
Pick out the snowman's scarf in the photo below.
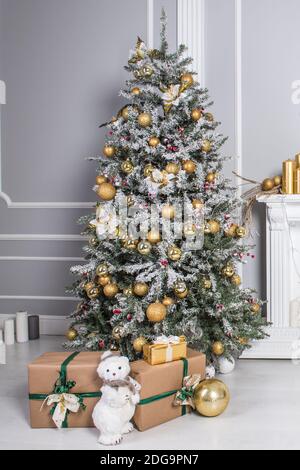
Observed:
{"x":121,"y":383}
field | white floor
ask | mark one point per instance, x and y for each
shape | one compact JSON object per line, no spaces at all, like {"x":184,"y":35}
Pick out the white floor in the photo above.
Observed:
{"x":264,"y":412}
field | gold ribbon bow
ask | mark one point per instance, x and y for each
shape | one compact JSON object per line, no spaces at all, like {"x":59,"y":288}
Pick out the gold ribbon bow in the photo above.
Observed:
{"x":65,"y":402}
{"x":185,"y":395}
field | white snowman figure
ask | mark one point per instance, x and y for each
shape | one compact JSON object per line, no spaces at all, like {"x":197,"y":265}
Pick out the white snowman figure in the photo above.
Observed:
{"x":120,"y":394}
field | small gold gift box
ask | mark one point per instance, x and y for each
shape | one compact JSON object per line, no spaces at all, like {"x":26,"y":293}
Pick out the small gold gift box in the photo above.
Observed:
{"x":165,"y":349}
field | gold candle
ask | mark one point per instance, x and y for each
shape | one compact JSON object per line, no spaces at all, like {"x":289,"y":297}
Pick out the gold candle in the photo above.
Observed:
{"x":288,"y":177}
{"x":297,"y":158}
{"x":297,"y":181}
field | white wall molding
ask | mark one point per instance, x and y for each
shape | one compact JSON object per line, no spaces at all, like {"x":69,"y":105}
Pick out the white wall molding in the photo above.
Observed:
{"x":38,"y":297}
{"x":45,"y":205}
{"x":150,"y":24}
{"x":191,"y":32}
{"x":238,"y":95}
{"x":42,"y":258}
{"x":49,"y":325}
{"x":16,"y":237}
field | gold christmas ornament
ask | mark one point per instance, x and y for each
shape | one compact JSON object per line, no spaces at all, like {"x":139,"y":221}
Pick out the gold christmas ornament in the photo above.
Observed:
{"x":209,"y":117}
{"x":136,"y":91}
{"x":206,"y":283}
{"x":231,"y":231}
{"x":104,"y":280}
{"x":241,"y":232}
{"x":140,"y":289}
{"x":139,"y":343}
{"x":206,"y":146}
{"x":196,"y":114}
{"x":88,"y":286}
{"x":109,"y":151}
{"x":128,"y":291}
{"x":118,"y":332}
{"x":106,"y":192}
{"x":71,"y":334}
{"x":93,"y":242}
{"x":172,"y":168}
{"x":168,"y":301}
{"x":168,"y":212}
{"x":189,"y":167}
{"x":130,"y":244}
{"x":277,"y":181}
{"x":236,"y":280}
{"x":154,"y":141}
{"x":125,"y":113}
{"x":156,"y":312}
{"x":187,"y":80}
{"x":268,"y":184}
{"x":243,"y":341}
{"x":154,"y":237}
{"x":102,"y":270}
{"x":114,"y":347}
{"x":211,"y":398}
{"x":101,"y":179}
{"x":127,"y":167}
{"x":180,"y":287}
{"x":93,"y":293}
{"x":144,"y":248}
{"x":198,"y":204}
{"x":255,"y":308}
{"x":148,"y":170}
{"x":147,"y":71}
{"x":218,"y":348}
{"x":110,"y":290}
{"x":145,"y":119}
{"x":174,"y":253}
{"x":210,"y":178}
{"x":182,"y":295}
{"x":214,"y":226}
{"x":228,"y":271}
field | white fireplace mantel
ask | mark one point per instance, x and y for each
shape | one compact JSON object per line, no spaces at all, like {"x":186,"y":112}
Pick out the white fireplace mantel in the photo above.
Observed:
{"x":283,"y":278}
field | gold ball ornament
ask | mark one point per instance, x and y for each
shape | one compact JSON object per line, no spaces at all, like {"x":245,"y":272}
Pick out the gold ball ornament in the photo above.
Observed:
{"x":136,"y":91}
{"x":139,"y":343}
{"x":218,"y":348}
{"x":198,"y":204}
{"x":189,"y":167}
{"x":93,"y":242}
{"x":154,"y":141}
{"x":209,"y":117}
{"x":187,"y":80}
{"x":180,"y":287}
{"x":93,"y":293}
{"x":145,"y":120}
{"x":277,"y":181}
{"x":118,"y":332}
{"x":168,"y":211}
{"x":206,"y":283}
{"x":127,"y":167}
{"x":168,"y":301}
{"x":128,"y":291}
{"x":154,"y":237}
{"x":147,"y":71}
{"x":104,"y":280}
{"x":174,"y":253}
{"x":172,"y":168}
{"x":102,"y":270}
{"x":156,"y":312}
{"x":241,"y":232}
{"x":268,"y":184}
{"x":130,"y":244}
{"x":243,"y":341}
{"x":71,"y":334}
{"x":231,"y":231}
{"x":206,"y":146}
{"x":140,"y":289}
{"x":211,"y":398}
{"x":125,"y":113}
{"x":228,"y":271}
{"x":100,"y":179}
{"x":110,"y":290}
{"x":144,"y":248}
{"x":114,"y":348}
{"x":182,"y":295}
{"x":148,"y":170}
{"x":196,"y":114}
{"x":214,"y":226}
{"x":236,"y":280}
{"x":255,"y":308}
{"x":106,"y":192}
{"x":211,"y":177}
{"x":88,"y":286}
{"x":109,"y":151}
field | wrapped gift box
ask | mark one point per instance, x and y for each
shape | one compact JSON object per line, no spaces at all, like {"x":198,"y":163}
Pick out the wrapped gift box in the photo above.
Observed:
{"x":165,"y":349}
{"x":159,"y":386}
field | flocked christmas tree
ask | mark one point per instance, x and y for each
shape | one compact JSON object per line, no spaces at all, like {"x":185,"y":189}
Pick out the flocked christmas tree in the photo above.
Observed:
{"x":179,"y":275}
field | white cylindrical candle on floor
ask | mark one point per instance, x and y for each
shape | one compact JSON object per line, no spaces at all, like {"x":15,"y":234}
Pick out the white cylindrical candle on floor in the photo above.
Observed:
{"x":9,"y":332}
{"x":2,"y":349}
{"x":22,"y":327}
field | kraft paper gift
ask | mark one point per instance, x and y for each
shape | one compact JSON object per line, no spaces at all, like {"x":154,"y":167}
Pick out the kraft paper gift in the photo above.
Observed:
{"x":165,"y":349}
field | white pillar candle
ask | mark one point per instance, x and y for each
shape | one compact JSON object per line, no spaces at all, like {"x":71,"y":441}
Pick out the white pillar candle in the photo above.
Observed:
{"x":9,"y":332}
{"x":22,"y":327}
{"x":2,"y":349}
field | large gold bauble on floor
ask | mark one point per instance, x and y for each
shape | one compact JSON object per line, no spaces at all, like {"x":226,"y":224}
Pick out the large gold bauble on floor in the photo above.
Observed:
{"x":111,"y":290}
{"x":144,"y":248}
{"x":71,"y":334}
{"x":268,"y":184}
{"x":154,"y":141}
{"x":118,"y":332}
{"x":102,"y":269}
{"x":206,"y":146}
{"x":154,"y":237}
{"x":109,"y":151}
{"x":104,"y":280}
{"x":100,"y":179}
{"x":93,"y":293}
{"x":106,"y":191}
{"x":140,"y":289}
{"x":231,"y":231}
{"x":196,"y":114}
{"x":168,"y":211}
{"x":236,"y":280}
{"x":127,"y":167}
{"x":198,"y":204}
{"x":255,"y":308}
{"x":189,"y":167}
{"x":241,"y":232}
{"x":156,"y":312}
{"x":148,"y":170}
{"x":172,"y":168}
{"x":174,"y":253}
{"x":211,"y":398}
{"x":168,"y":301}
{"x":139,"y":343}
{"x":218,"y":348}
{"x":228,"y":270}
{"x":145,"y":119}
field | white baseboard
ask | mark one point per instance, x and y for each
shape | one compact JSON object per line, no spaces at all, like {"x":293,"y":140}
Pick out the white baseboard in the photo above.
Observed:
{"x":49,"y":325}
{"x":284,"y":343}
